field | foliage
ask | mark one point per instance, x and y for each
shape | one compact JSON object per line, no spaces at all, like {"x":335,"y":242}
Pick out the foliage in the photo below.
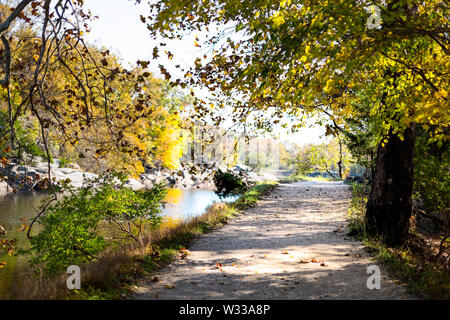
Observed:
{"x":7,"y":246}
{"x":77,"y":101}
{"x":357,"y":209}
{"x":276,"y":60}
{"x":111,"y":276}
{"x":303,"y":58}
{"x":26,"y":134}
{"x":325,"y":157}
{"x":230,"y":182}
{"x":432,"y":175}
{"x":422,"y":273}
{"x":72,"y":228}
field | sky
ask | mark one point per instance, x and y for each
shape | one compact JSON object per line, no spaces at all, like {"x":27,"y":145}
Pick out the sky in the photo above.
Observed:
{"x":120,"y":29}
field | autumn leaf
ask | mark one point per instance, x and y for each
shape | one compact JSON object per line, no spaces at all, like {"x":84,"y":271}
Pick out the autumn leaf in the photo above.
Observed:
{"x":303,"y":261}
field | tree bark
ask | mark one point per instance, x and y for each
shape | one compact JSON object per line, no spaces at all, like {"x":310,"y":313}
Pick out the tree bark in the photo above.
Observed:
{"x":390,"y":201}
{"x":340,"y":158}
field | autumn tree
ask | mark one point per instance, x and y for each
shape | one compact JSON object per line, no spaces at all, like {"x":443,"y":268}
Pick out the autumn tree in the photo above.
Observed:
{"x":78,"y":100}
{"x":329,"y":157}
{"x":313,"y":58}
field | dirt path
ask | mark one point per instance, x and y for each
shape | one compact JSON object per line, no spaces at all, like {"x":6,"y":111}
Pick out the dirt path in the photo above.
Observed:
{"x":304,"y":219}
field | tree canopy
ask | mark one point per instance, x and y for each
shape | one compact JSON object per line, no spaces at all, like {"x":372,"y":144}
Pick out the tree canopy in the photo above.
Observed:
{"x":305,"y":58}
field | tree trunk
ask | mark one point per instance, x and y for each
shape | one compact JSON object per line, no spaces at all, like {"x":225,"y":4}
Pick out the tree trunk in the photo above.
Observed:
{"x":340,"y":158}
{"x":390,"y":206}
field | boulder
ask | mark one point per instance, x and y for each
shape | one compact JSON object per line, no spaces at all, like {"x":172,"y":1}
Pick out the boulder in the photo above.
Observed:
{"x":135,"y":184}
{"x":4,"y":188}
{"x":73,"y":166}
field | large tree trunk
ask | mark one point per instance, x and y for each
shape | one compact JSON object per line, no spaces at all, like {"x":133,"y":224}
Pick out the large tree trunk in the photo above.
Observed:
{"x":389,"y":207}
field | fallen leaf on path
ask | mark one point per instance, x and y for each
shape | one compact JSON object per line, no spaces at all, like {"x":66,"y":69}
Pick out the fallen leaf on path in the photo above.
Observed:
{"x":323,"y":264}
{"x":218,"y":265}
{"x":317,"y":261}
{"x":303,"y":261}
{"x":168,"y":286}
{"x":284,"y":252}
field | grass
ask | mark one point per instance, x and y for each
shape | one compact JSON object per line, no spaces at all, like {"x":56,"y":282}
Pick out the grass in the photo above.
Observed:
{"x":422,"y":275}
{"x":302,"y":177}
{"x":116,"y":271}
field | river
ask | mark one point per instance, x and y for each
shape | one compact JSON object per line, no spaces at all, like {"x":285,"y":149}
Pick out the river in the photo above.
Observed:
{"x":16,"y":209}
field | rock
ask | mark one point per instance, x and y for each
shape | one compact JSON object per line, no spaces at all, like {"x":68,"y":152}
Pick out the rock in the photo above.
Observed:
{"x":158,"y":179}
{"x":241,"y":167}
{"x":31,"y":174}
{"x":252,"y":175}
{"x":147,"y":184}
{"x":351,"y":179}
{"x":73,"y":166}
{"x":135,"y":184}
{"x":148,"y":177}
{"x":68,"y":170}
{"x":171,"y":180}
{"x":4,"y":188}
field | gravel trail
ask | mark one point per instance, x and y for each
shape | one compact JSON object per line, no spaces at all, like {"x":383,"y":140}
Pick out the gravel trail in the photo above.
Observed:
{"x":266,"y":253}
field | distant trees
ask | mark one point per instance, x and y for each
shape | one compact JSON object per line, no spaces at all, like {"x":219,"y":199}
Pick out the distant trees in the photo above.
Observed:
{"x":330,"y":157}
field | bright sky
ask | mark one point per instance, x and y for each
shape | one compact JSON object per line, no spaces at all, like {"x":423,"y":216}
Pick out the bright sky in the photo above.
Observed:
{"x":120,"y":29}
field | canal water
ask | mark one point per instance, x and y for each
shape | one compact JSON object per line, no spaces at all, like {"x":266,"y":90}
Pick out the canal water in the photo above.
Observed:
{"x":20,"y":208}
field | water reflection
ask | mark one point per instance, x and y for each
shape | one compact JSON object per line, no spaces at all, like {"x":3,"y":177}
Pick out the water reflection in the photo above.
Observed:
{"x":185,"y":204}
{"x":16,"y":209}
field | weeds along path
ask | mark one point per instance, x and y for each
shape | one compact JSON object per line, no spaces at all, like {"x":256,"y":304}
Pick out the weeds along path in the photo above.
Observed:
{"x":266,"y":253}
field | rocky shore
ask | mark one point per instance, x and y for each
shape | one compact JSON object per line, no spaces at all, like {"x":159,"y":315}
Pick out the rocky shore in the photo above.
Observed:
{"x":28,"y":178}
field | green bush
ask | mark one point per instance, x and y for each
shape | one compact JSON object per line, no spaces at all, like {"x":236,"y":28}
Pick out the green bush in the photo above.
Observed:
{"x":432,"y":174}
{"x":86,"y":221}
{"x":229,"y":183}
{"x":357,"y":209}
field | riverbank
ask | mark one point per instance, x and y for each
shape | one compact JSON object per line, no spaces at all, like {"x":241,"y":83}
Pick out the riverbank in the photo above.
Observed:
{"x":19,"y":177}
{"x":116,"y":270}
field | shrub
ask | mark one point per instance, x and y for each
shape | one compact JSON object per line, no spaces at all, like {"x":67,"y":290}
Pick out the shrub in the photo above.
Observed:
{"x":432,"y":174}
{"x":229,"y":183}
{"x":88,"y":220}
